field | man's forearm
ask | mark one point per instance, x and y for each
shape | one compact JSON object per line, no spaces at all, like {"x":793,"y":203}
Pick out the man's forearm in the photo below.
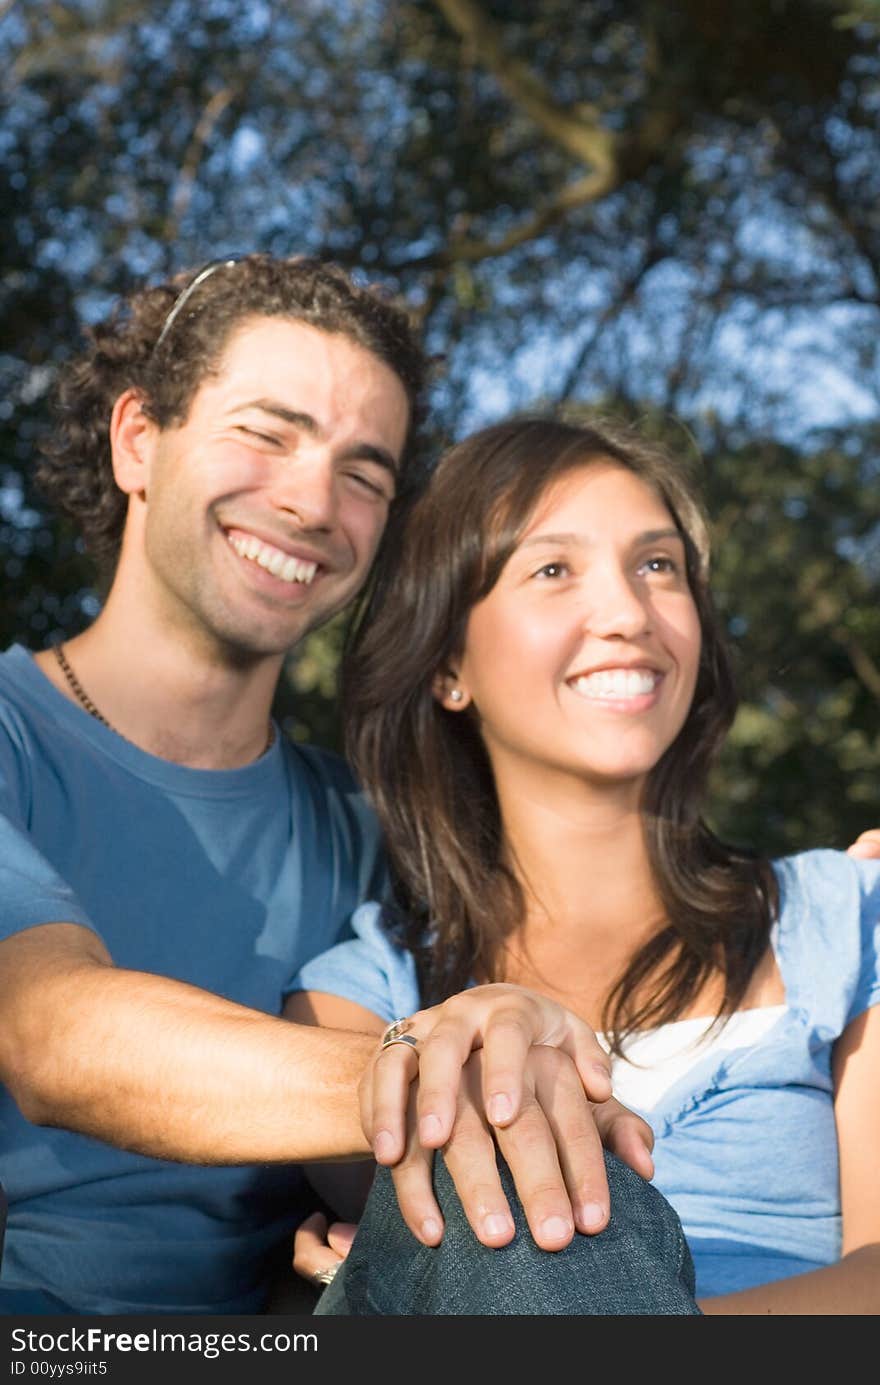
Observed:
{"x":162,"y":1068}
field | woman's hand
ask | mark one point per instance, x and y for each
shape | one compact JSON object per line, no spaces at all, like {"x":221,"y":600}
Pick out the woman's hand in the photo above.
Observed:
{"x":505,"y":1021}
{"x":319,"y":1248}
{"x":499,"y":1063}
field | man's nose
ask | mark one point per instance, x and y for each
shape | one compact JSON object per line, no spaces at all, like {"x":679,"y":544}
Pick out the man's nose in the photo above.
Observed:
{"x":305,"y":486}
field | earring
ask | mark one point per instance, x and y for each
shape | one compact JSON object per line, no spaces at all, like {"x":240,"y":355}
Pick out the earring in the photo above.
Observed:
{"x":456,"y":695}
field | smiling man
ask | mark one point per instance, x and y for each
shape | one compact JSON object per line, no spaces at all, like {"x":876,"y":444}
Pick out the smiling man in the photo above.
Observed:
{"x":230,"y":446}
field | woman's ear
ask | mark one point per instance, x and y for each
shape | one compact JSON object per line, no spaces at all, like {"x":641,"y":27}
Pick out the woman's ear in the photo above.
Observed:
{"x":449,"y":691}
{"x":132,"y":440}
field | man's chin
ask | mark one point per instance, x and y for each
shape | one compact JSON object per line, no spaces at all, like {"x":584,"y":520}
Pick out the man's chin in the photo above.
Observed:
{"x":246,"y":647}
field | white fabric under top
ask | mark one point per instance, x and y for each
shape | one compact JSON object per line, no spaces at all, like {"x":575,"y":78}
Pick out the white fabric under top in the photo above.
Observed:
{"x":657,"y":1058}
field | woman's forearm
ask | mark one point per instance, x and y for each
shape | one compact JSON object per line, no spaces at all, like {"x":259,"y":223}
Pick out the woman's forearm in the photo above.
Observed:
{"x":850,"y":1287}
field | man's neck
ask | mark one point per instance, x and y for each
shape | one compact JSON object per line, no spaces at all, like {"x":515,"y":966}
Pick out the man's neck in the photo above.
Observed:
{"x":179,"y":700}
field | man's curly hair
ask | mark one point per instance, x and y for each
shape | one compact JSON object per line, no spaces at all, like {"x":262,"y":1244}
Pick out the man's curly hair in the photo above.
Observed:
{"x":76,"y":473}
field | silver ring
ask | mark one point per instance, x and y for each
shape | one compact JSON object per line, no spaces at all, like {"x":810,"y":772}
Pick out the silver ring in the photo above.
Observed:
{"x":396,"y":1030}
{"x":408,"y":1039}
{"x":324,"y":1277}
{"x":396,"y":1034}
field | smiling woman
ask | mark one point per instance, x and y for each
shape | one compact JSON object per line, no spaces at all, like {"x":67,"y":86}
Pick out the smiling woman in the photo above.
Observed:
{"x":592,"y":620}
{"x":558,"y":555}
{"x":534,"y":700}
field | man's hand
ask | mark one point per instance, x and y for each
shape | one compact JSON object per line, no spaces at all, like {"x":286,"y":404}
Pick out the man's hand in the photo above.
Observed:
{"x":536,"y":1081}
{"x":867,"y":845}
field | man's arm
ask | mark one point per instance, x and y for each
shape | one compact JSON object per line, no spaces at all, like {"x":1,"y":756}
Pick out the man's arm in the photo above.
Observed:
{"x":162,"y":1068}
{"x":867,"y":845}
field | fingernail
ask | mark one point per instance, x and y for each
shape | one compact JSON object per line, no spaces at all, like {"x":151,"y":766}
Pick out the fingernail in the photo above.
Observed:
{"x":496,"y":1225}
{"x":431,"y":1230}
{"x":383,"y":1145}
{"x":430,"y":1129}
{"x":500,"y":1108}
{"x":557,"y":1229}
{"x":592,"y":1214}
{"x":601,"y":1071}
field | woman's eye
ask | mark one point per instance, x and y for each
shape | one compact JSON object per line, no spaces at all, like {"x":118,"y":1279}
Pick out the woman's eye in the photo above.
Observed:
{"x":660,"y":564}
{"x":551,"y":570}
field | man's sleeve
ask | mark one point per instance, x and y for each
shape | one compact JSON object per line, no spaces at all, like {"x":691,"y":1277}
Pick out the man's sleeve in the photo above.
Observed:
{"x":31,"y":891}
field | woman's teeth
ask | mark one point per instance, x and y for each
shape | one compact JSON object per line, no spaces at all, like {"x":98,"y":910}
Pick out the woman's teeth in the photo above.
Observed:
{"x":616,"y":683}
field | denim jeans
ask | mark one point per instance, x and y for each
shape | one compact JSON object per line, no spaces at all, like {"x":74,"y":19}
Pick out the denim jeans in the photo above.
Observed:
{"x":640,"y":1263}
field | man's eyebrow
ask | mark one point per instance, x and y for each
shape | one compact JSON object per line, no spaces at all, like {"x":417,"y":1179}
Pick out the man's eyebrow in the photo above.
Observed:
{"x":367,"y":450}
{"x":584,"y":541}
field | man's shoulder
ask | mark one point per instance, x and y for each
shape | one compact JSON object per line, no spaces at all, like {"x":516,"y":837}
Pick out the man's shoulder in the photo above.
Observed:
{"x":14,"y":667}
{"x":325,"y":767}
{"x":21,"y":682}
{"x":325,"y":787}
{"x":17,"y":695}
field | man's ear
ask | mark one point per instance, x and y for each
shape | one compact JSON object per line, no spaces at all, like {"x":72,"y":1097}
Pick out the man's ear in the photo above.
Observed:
{"x":132,"y":441}
{"x":449,"y":690}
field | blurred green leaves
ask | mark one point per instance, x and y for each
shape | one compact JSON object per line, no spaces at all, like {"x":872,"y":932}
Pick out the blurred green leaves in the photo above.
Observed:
{"x":668,"y":210}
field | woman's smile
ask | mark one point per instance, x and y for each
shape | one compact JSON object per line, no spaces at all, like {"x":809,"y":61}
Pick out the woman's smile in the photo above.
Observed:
{"x":592,"y":618}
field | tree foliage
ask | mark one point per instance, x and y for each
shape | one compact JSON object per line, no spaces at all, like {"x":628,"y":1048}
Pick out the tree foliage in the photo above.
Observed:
{"x":667,"y":210}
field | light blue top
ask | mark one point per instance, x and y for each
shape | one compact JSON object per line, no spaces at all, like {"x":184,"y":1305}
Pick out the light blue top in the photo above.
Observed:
{"x":746,"y":1149}
{"x":228,"y":879}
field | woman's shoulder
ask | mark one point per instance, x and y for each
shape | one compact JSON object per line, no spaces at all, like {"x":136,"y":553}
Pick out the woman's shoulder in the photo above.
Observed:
{"x":367,"y":967}
{"x":828,"y":933}
{"x":825,"y":877}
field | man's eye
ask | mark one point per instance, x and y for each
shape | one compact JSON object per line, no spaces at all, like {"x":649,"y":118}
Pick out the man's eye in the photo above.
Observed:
{"x":369,"y":484}
{"x":661,"y":563}
{"x":255,"y":433}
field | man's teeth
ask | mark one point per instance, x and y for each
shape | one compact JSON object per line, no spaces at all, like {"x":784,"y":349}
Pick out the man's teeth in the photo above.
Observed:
{"x":273,"y":560}
{"x":616,"y":682}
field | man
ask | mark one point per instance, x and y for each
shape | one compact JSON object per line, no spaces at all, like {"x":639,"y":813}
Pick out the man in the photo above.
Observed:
{"x":231,"y":448}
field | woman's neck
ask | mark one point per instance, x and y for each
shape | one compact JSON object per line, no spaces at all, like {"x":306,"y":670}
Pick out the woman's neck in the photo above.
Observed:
{"x":590,"y":897}
{"x":577,"y":850}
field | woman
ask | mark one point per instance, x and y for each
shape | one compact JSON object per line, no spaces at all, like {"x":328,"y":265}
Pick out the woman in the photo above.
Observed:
{"x":534,"y":702}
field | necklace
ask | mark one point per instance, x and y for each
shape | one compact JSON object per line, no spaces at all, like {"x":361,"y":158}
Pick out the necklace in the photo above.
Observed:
{"x":86,"y":702}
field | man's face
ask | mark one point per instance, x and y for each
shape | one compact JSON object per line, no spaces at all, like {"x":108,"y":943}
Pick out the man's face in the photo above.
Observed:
{"x":263,"y":510}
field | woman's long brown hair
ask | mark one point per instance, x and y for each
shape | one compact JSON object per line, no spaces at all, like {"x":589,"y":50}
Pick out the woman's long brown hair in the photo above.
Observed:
{"x":453,"y":902}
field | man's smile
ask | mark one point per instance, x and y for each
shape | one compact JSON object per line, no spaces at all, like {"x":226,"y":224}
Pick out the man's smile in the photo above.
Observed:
{"x":283,"y":565}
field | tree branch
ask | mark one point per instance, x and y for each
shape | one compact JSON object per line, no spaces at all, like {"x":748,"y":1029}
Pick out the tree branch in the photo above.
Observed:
{"x":578,"y":131}
{"x":863,"y":665}
{"x":610,"y":157}
{"x":182,"y":194}
{"x":625,"y":295}
{"x":75,"y":45}
{"x":583,"y":190}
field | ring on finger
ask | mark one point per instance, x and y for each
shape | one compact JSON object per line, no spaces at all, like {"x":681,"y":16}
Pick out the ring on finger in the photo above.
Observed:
{"x":396,"y":1034}
{"x":322,"y":1278}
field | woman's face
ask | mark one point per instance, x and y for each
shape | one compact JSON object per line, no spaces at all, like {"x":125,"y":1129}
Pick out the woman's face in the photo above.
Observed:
{"x":582,"y":660}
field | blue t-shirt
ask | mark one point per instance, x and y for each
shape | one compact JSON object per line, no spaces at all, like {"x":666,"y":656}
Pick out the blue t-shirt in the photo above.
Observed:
{"x":227,"y":879}
{"x":746,"y":1146}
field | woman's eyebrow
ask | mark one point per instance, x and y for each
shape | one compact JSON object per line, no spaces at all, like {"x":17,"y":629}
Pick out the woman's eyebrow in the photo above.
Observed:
{"x":585,"y":541}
